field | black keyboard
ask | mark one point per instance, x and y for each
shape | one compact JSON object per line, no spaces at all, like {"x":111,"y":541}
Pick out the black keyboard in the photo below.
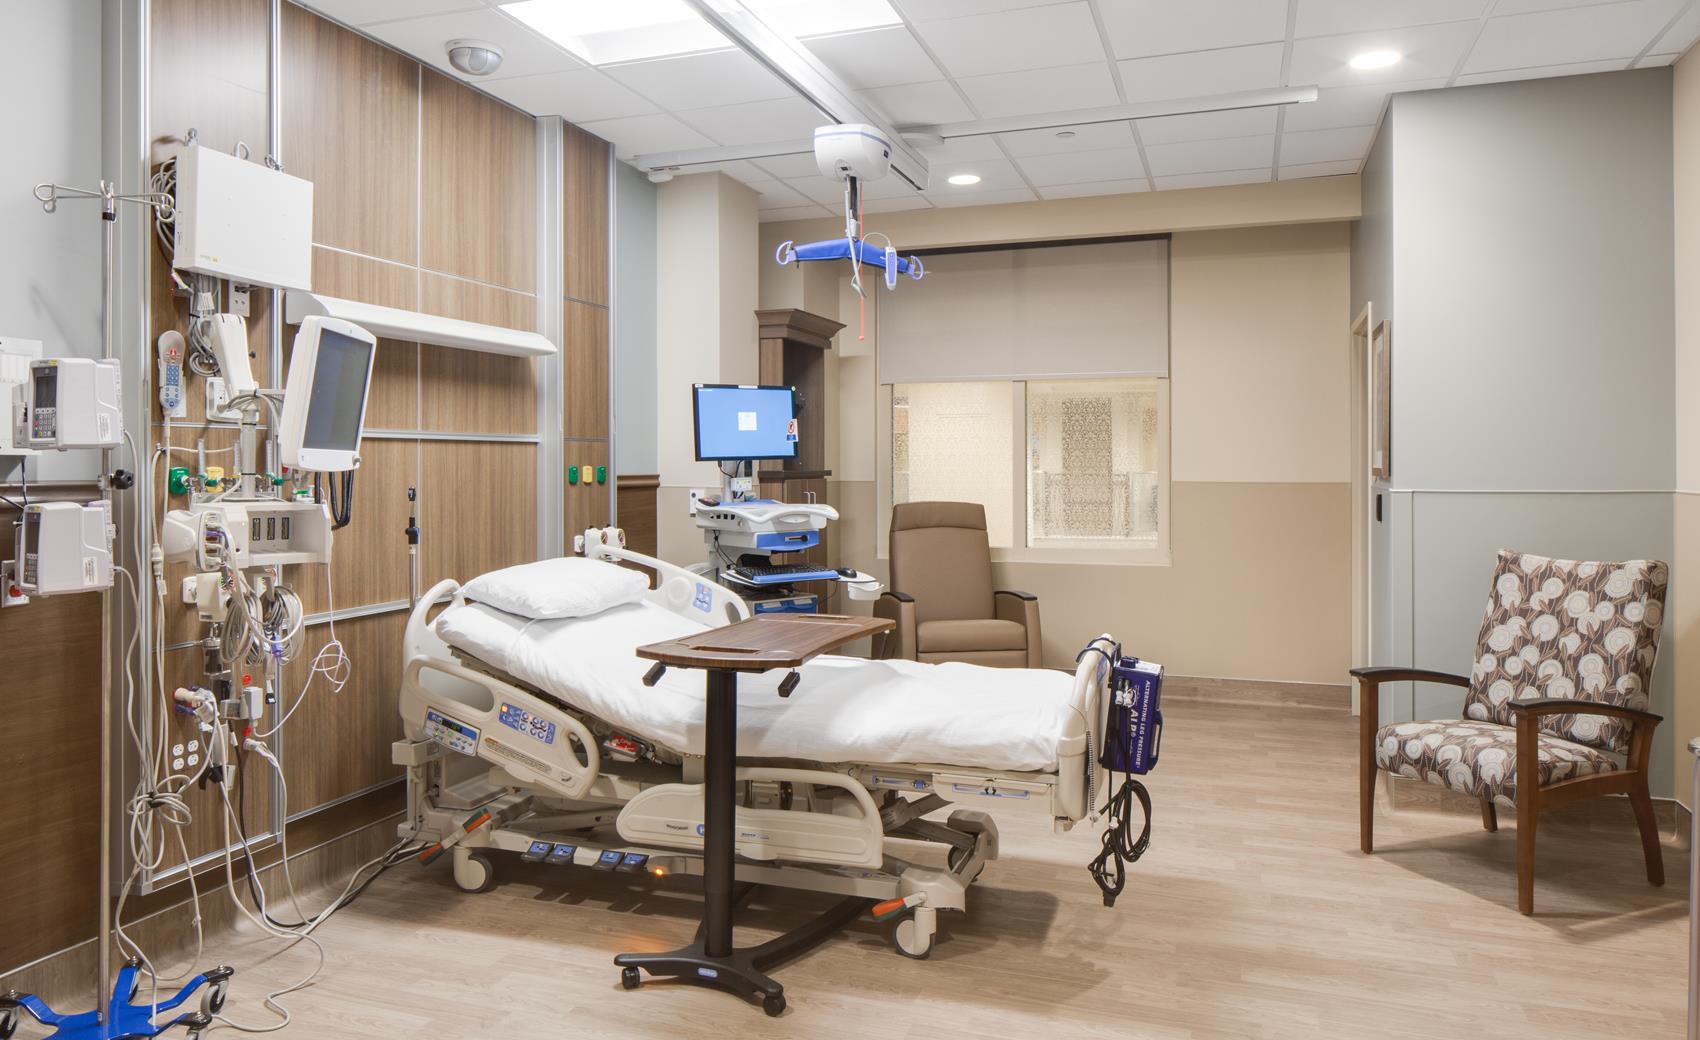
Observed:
{"x":779,"y":570}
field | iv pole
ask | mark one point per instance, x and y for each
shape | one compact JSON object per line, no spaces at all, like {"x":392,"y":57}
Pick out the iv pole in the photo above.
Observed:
{"x":49,"y":195}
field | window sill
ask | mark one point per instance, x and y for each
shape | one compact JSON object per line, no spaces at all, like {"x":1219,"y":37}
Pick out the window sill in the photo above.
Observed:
{"x":1078,"y":557}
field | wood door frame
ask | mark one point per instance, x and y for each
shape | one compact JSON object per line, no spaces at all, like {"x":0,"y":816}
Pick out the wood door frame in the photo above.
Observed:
{"x":1359,"y":373}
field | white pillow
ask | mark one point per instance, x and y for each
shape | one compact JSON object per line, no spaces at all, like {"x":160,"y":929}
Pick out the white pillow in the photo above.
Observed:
{"x":564,"y":587}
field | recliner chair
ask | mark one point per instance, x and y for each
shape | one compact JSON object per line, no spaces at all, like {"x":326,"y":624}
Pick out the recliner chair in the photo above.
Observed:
{"x":941,"y":592}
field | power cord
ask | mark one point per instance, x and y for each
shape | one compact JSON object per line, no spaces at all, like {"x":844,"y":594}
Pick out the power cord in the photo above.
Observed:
{"x":1120,"y":847}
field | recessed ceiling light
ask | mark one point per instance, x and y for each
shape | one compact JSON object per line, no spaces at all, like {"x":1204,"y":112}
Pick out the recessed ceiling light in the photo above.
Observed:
{"x":1370,"y":60}
{"x":962,"y":180}
{"x":600,"y":32}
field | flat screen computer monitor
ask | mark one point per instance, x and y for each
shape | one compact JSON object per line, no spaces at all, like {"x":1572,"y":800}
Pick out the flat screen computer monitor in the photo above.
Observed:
{"x":734,"y":423}
{"x":324,"y":399}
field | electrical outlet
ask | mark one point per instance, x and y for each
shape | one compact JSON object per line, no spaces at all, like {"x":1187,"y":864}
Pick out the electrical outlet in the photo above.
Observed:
{"x":239,"y":300}
{"x":218,"y":402}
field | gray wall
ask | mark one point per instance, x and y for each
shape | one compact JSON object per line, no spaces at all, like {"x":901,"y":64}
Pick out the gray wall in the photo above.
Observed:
{"x":1525,"y":230}
{"x":634,"y":322}
{"x":50,"y":263}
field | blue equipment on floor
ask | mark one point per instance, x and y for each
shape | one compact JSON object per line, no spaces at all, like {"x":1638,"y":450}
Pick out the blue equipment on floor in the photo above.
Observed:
{"x":1133,"y":734}
{"x":124,"y":1017}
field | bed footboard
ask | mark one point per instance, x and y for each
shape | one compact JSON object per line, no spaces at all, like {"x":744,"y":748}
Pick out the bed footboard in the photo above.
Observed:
{"x":1078,"y":772}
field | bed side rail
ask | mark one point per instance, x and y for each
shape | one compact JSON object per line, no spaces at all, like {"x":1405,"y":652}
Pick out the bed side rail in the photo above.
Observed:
{"x":1078,"y":772}
{"x":482,"y":716}
{"x":681,"y":591}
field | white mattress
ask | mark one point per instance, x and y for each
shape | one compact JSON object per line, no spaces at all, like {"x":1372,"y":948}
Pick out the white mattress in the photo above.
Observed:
{"x":846,"y":710}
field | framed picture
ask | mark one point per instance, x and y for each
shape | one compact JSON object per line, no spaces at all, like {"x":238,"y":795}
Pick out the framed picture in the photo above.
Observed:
{"x":1381,"y":404}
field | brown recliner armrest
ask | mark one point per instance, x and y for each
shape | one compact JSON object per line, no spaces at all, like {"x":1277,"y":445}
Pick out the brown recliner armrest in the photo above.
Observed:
{"x":900,"y":641}
{"x":1023,"y":609}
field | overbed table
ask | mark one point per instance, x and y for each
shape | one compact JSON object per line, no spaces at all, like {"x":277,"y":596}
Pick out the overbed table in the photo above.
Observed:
{"x":758,"y":644}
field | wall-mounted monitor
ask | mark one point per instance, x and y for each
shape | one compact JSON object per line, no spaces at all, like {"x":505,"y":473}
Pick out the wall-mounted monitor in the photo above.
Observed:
{"x":735,"y":423}
{"x":324,"y":399}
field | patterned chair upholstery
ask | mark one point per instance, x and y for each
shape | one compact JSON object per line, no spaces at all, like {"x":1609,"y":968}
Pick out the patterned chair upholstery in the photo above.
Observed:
{"x":1558,"y":689}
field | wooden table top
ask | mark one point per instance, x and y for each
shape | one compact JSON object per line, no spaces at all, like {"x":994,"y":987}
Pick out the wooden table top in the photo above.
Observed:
{"x":765,"y":642}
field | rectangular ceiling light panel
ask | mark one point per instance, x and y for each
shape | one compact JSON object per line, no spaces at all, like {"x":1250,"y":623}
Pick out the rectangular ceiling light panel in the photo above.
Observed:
{"x":606,"y":32}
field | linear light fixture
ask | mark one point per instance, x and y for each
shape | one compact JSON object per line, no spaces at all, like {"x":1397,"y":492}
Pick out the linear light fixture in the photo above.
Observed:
{"x":417,"y":327}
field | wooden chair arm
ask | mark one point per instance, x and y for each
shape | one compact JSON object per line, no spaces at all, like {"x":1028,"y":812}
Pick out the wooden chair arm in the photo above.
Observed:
{"x":1539,"y":706}
{"x":1378,"y":675}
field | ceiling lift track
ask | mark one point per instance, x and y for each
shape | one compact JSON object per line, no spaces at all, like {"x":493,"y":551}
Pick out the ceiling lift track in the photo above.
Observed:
{"x":908,"y":136}
{"x":804,"y":73}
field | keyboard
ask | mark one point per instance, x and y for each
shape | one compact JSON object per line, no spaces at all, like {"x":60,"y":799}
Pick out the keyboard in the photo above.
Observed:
{"x":781,"y":573}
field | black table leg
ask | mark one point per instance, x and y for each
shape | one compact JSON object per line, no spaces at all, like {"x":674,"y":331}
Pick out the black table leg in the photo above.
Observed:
{"x":711,"y":959}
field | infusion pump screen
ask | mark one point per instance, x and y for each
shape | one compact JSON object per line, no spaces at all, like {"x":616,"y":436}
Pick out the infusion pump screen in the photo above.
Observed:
{"x":339,"y":393}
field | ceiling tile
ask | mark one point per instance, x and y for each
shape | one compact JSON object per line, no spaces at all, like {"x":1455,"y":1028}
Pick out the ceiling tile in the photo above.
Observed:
{"x":785,"y":167}
{"x":1074,"y":191}
{"x":1570,"y":35}
{"x":1088,"y":138}
{"x":829,"y":191}
{"x":1079,"y":167}
{"x":1579,"y":68}
{"x":1349,"y":106}
{"x":806,"y":18}
{"x":1202,"y":72}
{"x":1041,"y":90}
{"x":1681,"y":35}
{"x":981,"y":198}
{"x":769,"y":216}
{"x":641,"y":135}
{"x":579,"y":96}
{"x":1208,"y":125}
{"x":741,"y":170}
{"x":700,"y":80}
{"x":919,"y":103}
{"x":913,"y":200}
{"x":1505,"y":7}
{"x":1141,"y":28}
{"x":1330,"y":17}
{"x":876,"y":58}
{"x":1321,"y":169}
{"x":1653,"y":61}
{"x":757,"y":122}
{"x":365,"y":12}
{"x":1009,"y":41}
{"x":927,"y":10}
{"x":778,"y":194}
{"x":962,"y":149}
{"x":1232,"y":153}
{"x":1315,"y":146}
{"x":1214,"y":180}
{"x":524,"y":52}
{"x":1430,"y":52}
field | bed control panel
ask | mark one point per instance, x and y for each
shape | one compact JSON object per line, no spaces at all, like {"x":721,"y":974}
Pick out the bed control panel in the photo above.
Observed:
{"x":451,"y":733}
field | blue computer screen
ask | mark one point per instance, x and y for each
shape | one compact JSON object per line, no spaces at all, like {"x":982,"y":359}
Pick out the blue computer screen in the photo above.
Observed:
{"x":744,"y":422}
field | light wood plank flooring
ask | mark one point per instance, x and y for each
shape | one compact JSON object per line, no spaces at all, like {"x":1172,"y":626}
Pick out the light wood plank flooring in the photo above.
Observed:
{"x":1254,"y":915}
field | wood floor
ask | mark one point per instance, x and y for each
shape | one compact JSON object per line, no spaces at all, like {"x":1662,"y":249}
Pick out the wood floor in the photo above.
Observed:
{"x":1254,"y":915}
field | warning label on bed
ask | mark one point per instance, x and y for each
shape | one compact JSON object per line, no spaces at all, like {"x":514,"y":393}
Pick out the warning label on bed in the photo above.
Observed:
{"x":522,"y":721}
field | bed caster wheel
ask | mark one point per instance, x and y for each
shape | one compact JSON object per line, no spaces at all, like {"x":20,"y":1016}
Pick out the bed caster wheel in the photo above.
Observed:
{"x":474,"y":872}
{"x":197,"y":1025}
{"x":630,"y":978}
{"x":912,"y":935}
{"x":8,"y":1023}
{"x":773,"y":1004}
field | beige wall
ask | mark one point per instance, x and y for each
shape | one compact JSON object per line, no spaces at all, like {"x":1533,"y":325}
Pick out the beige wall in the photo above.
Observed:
{"x":1260,"y":503}
{"x":1682,"y":633}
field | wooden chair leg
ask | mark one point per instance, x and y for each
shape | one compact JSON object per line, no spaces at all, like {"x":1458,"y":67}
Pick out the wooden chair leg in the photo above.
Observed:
{"x":1649,"y":824}
{"x":1490,"y":815}
{"x":1366,"y":801}
{"x":1528,"y":805}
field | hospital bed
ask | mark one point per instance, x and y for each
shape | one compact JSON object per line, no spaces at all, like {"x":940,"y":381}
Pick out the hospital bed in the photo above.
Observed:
{"x":542,"y":738}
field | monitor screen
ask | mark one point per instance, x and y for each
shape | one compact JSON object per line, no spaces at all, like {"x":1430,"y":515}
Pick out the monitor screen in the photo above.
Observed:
{"x":744,"y":422}
{"x":339,"y":393}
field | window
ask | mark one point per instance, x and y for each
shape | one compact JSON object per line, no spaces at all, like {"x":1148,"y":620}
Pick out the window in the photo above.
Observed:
{"x":1069,"y":467}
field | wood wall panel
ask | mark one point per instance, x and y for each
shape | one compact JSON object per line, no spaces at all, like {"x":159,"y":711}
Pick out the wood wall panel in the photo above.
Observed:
{"x":478,"y":203}
{"x":210,"y":73}
{"x":477,"y":508}
{"x":351,"y":126}
{"x":634,"y":507}
{"x":360,"y":722}
{"x":50,"y":685}
{"x":584,"y":242}
{"x":369,"y":556}
{"x":585,"y":504}
{"x":584,"y":369}
{"x":466,"y":391}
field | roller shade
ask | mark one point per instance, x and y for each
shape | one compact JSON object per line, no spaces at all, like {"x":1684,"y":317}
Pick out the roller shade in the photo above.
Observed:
{"x":1037,"y":313}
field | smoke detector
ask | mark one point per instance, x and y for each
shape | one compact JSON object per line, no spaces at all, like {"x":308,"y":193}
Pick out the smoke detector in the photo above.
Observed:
{"x":474,"y":57}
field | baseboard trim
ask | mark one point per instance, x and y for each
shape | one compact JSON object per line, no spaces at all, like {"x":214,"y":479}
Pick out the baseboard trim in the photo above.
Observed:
{"x":1262,"y":692}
